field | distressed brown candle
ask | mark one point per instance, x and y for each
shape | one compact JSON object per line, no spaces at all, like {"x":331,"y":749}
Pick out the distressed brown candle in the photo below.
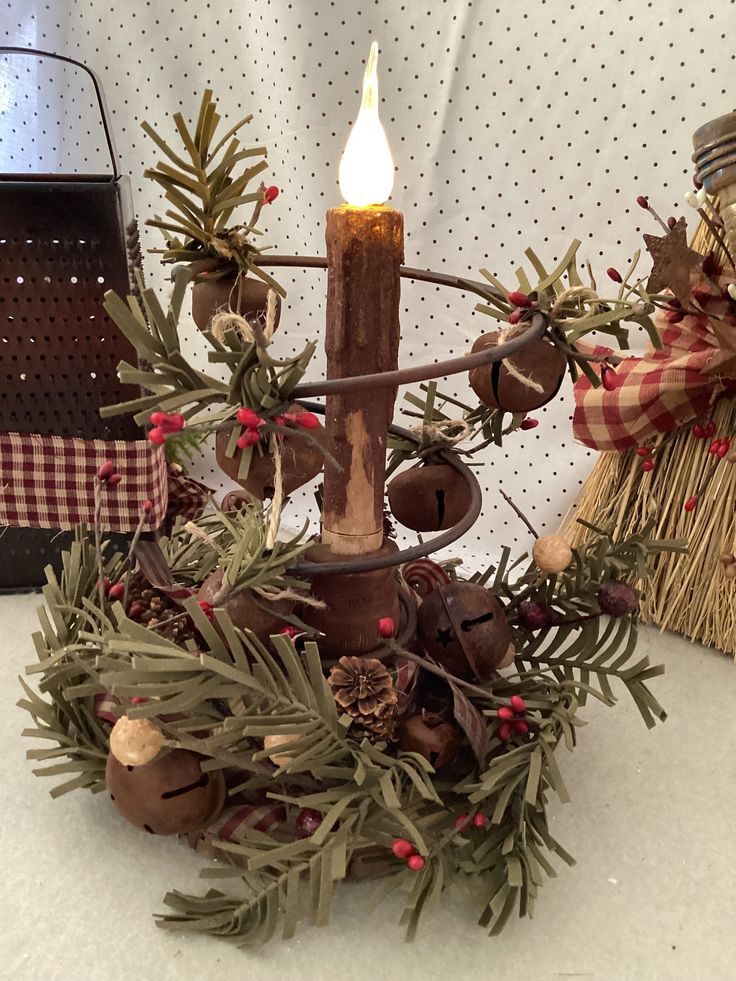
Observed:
{"x":365,"y":250}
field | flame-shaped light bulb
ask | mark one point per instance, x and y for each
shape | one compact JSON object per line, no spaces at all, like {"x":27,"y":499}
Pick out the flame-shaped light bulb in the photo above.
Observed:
{"x":366,"y":172}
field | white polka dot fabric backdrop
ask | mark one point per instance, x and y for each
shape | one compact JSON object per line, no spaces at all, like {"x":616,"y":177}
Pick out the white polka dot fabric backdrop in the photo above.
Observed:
{"x":512,"y":123}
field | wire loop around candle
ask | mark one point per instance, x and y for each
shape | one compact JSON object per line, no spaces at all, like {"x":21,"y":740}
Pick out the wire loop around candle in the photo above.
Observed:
{"x":421,"y":372}
{"x":366,"y":564}
{"x":537,"y":326}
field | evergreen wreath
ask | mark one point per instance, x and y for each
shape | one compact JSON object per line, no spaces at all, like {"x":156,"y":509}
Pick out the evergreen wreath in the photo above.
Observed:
{"x":185,"y":680}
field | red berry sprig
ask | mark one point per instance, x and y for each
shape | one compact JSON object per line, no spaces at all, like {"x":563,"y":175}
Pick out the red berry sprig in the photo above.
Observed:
{"x":254,"y":423}
{"x":643,"y":202}
{"x":477,"y":820}
{"x":512,"y":719}
{"x":406,"y":852}
{"x":518,"y":299}
{"x":108,"y":475}
{"x":164,"y":424}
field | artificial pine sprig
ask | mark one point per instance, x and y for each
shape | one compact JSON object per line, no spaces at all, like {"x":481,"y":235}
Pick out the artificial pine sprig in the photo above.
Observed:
{"x":489,"y":822}
{"x":204,"y":192}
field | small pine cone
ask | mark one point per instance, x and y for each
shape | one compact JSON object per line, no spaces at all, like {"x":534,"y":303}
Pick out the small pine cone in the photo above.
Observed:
{"x":159,"y":608}
{"x":363,"y":688}
{"x":376,"y":728}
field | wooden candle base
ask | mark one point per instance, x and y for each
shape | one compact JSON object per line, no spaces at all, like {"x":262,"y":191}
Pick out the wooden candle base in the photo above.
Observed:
{"x":356,"y":601}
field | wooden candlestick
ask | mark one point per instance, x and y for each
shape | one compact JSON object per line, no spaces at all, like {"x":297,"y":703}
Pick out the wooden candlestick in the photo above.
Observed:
{"x":365,"y":250}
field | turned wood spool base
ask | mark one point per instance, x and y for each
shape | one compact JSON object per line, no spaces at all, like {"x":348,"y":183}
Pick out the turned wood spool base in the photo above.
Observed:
{"x":356,"y":601}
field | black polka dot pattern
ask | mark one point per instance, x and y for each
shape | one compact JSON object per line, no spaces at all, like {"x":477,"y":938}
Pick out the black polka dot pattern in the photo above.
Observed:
{"x":511,"y":125}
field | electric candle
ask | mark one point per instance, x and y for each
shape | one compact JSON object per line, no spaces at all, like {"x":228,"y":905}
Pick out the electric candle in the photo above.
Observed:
{"x":365,"y":249}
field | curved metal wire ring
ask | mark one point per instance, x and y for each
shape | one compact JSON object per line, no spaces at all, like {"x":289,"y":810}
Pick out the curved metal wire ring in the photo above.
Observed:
{"x":364,"y":564}
{"x":537,"y":324}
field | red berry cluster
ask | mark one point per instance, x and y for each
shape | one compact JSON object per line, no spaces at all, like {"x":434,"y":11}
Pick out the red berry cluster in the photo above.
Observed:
{"x":645,"y":452}
{"x":113,"y":591}
{"x":720,"y":447}
{"x":674,"y":312}
{"x":289,"y":631}
{"x":512,"y":718}
{"x":520,"y":302}
{"x":404,"y":850}
{"x":252,"y":423}
{"x":477,"y":820}
{"x":164,"y":424}
{"x":108,"y":475}
{"x":704,"y":432}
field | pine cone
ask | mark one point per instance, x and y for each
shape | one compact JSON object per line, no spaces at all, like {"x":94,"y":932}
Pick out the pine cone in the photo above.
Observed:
{"x":363,"y":688}
{"x":151,"y":606}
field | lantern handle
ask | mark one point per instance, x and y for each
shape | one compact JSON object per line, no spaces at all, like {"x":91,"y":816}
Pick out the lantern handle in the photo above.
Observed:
{"x":4,"y":49}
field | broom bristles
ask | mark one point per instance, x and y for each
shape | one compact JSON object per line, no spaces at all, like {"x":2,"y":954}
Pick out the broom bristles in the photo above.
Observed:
{"x":687,"y":593}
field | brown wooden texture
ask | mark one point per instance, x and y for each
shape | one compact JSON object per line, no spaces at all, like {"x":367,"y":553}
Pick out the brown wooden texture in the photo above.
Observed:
{"x":365,"y":249}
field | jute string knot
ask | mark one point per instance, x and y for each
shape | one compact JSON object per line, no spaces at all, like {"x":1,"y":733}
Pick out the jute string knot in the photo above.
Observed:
{"x":230,"y":320}
{"x":582,"y":296}
{"x":446,"y":431}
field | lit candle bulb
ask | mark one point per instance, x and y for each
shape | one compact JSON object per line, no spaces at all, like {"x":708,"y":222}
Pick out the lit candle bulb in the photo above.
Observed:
{"x":366,"y":172}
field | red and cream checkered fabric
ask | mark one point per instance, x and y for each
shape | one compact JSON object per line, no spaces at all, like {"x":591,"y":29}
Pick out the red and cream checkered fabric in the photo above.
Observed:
{"x":48,"y":481}
{"x":187,"y":496}
{"x":656,"y":393}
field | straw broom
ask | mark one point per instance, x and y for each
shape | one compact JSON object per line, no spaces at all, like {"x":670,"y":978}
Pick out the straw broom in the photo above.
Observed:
{"x":688,"y":593}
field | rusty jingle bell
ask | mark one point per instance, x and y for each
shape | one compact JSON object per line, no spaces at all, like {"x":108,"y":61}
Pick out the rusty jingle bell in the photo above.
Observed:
{"x":430,"y":497}
{"x":170,"y":795}
{"x":463,"y":627}
{"x":495,"y":385}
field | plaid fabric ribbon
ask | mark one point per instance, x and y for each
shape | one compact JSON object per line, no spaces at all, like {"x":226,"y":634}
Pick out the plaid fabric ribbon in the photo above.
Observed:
{"x":655,"y":394}
{"x":48,"y":481}
{"x":187,"y":497}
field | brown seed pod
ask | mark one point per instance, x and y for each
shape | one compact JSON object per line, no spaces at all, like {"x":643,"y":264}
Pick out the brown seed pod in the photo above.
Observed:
{"x":170,"y":795}
{"x":463,"y":627}
{"x":429,"y":497}
{"x":300,"y":460}
{"x":245,"y":295}
{"x":431,"y":737}
{"x":495,"y":385}
{"x":246,"y":610}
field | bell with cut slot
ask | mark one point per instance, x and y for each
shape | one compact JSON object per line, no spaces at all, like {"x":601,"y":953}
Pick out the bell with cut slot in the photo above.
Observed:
{"x":170,"y":795}
{"x":527,"y":380}
{"x":463,"y":627}
{"x":429,"y":497}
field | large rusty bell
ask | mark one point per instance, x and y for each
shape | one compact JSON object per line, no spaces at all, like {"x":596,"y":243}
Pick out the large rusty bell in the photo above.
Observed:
{"x":463,"y":627}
